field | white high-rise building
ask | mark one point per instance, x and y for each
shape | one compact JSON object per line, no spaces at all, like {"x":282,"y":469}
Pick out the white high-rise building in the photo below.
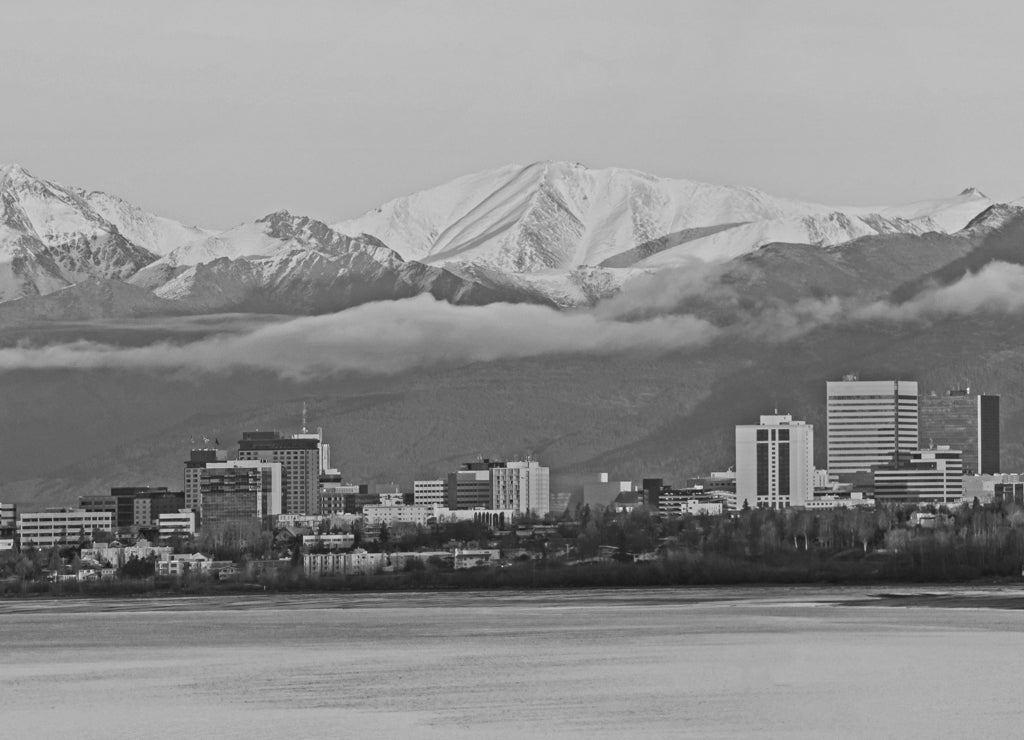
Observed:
{"x":522,"y":486}
{"x":871,"y":423}
{"x":774,"y":463}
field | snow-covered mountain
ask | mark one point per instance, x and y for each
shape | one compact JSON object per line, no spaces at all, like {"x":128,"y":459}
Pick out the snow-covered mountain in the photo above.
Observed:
{"x":560,"y":216}
{"x":158,"y":234}
{"x":550,"y":232}
{"x":294,"y":264}
{"x":53,"y":236}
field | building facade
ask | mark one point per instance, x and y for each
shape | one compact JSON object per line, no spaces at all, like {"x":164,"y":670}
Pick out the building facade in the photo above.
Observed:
{"x":774,"y":463}
{"x":181,"y":523}
{"x":391,"y":514}
{"x":300,"y":465}
{"x":430,"y":492}
{"x":197,"y":460}
{"x":934,"y":476}
{"x":61,"y":526}
{"x":231,"y":493}
{"x":470,"y":487}
{"x":870,"y":424}
{"x":965,"y":421}
{"x":522,"y":486}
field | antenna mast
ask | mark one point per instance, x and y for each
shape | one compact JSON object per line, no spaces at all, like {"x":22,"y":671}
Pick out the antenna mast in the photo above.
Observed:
{"x":304,"y":430}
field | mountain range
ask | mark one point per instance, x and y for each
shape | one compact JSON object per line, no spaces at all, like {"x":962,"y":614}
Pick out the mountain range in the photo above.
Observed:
{"x":798,"y":294}
{"x":553,"y":233}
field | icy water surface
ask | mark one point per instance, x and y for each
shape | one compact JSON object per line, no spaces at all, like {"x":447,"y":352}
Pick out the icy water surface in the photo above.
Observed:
{"x":700,"y":663}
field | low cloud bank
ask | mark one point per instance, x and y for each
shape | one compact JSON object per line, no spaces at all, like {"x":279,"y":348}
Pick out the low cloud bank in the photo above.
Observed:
{"x":386,"y":337}
{"x":390,"y":337}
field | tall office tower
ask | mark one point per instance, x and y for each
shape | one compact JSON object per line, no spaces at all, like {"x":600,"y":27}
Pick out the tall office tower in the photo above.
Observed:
{"x":318,"y":435}
{"x":300,"y":464}
{"x":774,"y":463}
{"x":470,"y":487}
{"x":523,"y":486}
{"x":231,"y":493}
{"x":270,"y":482}
{"x":964,"y":421}
{"x":871,"y":423}
{"x":197,"y":460}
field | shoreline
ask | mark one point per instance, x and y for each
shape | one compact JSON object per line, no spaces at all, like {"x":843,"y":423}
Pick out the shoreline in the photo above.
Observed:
{"x":1006,"y":595}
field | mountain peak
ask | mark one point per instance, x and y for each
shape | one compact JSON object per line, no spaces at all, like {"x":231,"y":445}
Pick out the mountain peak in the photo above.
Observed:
{"x":282,"y":215}
{"x":972,"y":192}
{"x":13,"y":172}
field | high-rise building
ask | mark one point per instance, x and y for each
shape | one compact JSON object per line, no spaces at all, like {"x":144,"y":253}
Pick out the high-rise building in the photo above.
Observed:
{"x":522,"y":486}
{"x":965,"y":421}
{"x":933,"y":476}
{"x":231,"y":493}
{"x":300,"y":464}
{"x":199,"y":459}
{"x":270,"y":482}
{"x":774,"y":463}
{"x":871,"y":423}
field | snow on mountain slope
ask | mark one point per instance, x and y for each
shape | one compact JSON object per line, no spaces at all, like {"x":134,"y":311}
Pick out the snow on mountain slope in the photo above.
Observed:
{"x":158,"y":234}
{"x":270,"y":251}
{"x":49,"y":239}
{"x":314,"y":270}
{"x":25,"y":268}
{"x":946,"y":215}
{"x":557,"y":215}
{"x":54,"y":236}
{"x":827,"y":230}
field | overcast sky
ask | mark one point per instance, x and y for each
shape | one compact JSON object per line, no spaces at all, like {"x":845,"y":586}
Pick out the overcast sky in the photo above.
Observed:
{"x":216,"y":113}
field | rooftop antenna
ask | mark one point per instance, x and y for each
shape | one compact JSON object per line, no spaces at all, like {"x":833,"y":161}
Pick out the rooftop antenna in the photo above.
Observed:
{"x":304,"y":430}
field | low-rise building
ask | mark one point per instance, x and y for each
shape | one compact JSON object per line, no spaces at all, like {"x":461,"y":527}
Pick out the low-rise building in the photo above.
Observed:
{"x":827,"y":501}
{"x":181,"y":523}
{"x":61,"y":526}
{"x":494,"y":518}
{"x":391,"y":514}
{"x":932,"y":476}
{"x":691,"y":501}
{"x":476,"y":558}
{"x":116,"y":555}
{"x":344,"y":541}
{"x":179,"y":564}
{"x":357,"y":562}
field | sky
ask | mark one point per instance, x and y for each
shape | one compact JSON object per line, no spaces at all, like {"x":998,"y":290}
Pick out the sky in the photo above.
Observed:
{"x":217,"y":113}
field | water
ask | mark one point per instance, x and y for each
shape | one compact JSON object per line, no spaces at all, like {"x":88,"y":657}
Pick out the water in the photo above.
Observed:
{"x":670,"y":663}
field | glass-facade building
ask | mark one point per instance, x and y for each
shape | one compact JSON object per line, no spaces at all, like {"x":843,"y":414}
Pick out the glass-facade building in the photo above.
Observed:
{"x":964,"y":421}
{"x":871,"y":424}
